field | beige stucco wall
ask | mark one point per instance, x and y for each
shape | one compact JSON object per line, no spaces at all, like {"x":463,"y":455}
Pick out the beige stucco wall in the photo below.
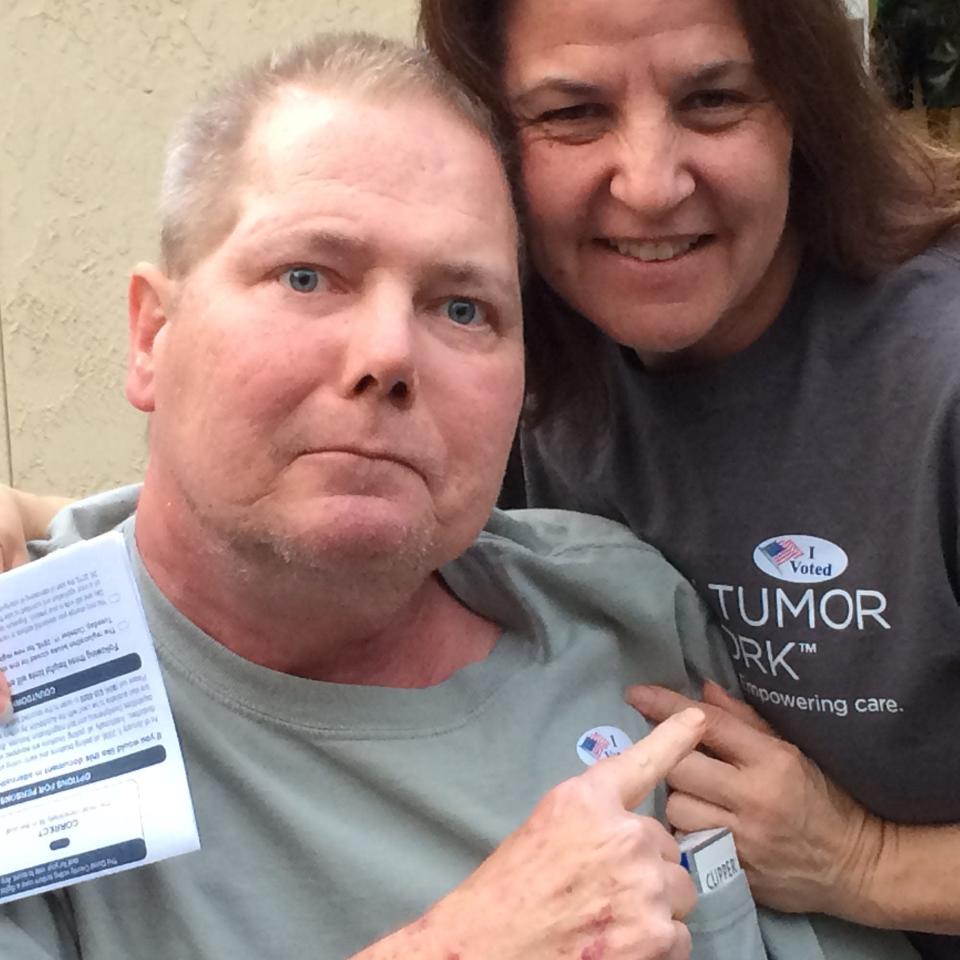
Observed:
{"x":88,"y":89}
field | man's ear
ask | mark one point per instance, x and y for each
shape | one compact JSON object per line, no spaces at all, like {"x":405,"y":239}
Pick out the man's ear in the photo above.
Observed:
{"x":149,"y":301}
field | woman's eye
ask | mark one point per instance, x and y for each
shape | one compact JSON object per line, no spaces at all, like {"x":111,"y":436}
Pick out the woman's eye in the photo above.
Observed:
{"x":714,"y":99}
{"x":463,"y":312}
{"x":716,"y":110}
{"x":301,"y":279}
{"x":571,"y":114}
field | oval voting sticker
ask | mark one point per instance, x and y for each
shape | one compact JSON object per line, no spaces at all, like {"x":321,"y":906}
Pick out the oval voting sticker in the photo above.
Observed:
{"x":799,"y":558}
{"x":599,"y":742}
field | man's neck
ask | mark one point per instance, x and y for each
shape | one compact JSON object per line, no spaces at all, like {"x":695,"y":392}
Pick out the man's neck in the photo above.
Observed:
{"x":297,"y":621}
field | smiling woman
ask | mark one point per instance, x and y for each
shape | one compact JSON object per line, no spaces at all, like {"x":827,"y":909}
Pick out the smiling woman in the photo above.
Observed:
{"x":742,"y":320}
{"x":669,"y":232}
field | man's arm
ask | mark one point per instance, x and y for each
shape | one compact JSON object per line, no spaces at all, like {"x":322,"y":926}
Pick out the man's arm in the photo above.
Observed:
{"x":807,"y":846}
{"x":582,"y":877}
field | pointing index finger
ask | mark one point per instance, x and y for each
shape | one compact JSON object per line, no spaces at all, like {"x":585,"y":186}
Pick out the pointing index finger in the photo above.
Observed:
{"x":635,"y":772}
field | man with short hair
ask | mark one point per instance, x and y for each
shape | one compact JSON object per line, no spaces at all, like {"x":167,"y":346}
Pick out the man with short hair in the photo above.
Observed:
{"x":372,"y":693}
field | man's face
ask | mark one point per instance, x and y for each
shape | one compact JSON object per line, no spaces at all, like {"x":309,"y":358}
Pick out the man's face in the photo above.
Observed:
{"x":341,"y":377}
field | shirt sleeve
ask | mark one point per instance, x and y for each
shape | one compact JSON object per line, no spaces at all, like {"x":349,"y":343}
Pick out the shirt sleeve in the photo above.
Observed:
{"x":39,"y":928}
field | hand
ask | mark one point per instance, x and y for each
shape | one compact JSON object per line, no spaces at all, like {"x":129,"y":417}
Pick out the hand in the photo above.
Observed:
{"x":583,"y":877}
{"x":6,"y":704}
{"x":13,"y":552}
{"x":24,"y":516}
{"x":13,"y":539}
{"x":806,"y":846}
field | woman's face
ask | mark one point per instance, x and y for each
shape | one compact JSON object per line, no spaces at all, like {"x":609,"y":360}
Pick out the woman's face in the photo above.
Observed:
{"x":656,"y":170}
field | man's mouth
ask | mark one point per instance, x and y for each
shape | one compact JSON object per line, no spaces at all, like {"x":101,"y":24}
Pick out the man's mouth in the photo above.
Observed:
{"x":371,"y":454}
{"x":656,"y":251}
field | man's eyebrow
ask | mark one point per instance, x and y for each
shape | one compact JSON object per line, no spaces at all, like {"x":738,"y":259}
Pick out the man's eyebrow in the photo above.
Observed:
{"x":471,"y":276}
{"x":325,"y":239}
{"x":467,"y":274}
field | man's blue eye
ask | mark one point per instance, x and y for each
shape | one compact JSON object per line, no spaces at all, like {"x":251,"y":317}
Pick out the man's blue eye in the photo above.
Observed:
{"x":301,"y":279}
{"x":463,"y":312}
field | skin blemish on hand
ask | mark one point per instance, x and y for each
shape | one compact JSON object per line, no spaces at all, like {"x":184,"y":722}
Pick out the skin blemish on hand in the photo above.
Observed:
{"x":602,"y":920}
{"x":595,"y":951}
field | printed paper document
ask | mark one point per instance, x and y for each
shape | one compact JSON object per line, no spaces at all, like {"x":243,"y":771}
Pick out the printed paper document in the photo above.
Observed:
{"x":91,"y":776}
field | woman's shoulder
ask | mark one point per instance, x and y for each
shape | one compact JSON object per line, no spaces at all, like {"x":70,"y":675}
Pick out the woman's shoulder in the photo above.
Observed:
{"x":916,"y":303}
{"x":940,"y":261}
{"x":938,"y":265}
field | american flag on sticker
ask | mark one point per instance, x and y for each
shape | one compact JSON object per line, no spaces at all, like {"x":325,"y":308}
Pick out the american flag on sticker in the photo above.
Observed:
{"x":780,"y":551}
{"x":595,"y":744}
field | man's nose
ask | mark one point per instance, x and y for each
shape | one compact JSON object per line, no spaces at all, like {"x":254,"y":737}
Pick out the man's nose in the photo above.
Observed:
{"x":650,"y":173}
{"x":380,"y":359}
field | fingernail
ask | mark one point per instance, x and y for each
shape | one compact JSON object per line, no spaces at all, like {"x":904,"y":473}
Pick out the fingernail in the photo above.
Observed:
{"x":692,"y":717}
{"x":640,"y":697}
{"x":6,"y":714}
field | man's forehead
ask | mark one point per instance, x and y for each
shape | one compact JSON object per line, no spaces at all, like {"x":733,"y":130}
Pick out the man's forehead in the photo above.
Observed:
{"x":320,"y":162}
{"x":305,"y":131}
{"x":285,"y":126}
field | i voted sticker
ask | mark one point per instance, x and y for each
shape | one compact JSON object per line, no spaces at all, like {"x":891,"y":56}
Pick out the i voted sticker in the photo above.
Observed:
{"x":599,"y":742}
{"x":800,"y":558}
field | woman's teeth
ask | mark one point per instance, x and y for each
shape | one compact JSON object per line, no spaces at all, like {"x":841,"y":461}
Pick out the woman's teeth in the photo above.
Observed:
{"x":653,"y":250}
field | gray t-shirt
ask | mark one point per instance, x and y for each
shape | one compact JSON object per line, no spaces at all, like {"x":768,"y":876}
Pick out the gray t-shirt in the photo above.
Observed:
{"x":331,"y":814}
{"x":809,"y":487}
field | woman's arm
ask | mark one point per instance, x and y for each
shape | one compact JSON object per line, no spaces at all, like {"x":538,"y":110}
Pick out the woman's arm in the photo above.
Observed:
{"x":807,"y":846}
{"x":24,"y":516}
